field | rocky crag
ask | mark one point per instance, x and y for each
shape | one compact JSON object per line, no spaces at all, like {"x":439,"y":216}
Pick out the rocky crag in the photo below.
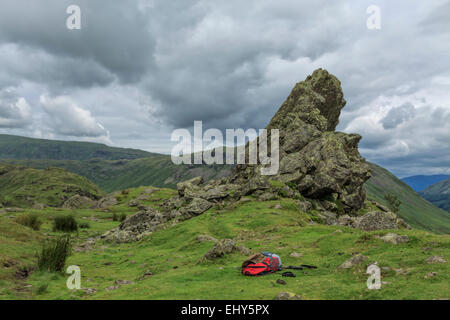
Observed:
{"x":319,"y":167}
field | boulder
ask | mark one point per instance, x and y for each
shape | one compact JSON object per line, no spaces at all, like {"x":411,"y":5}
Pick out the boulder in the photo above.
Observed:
{"x":136,"y":226}
{"x":195,"y":207}
{"x":287,"y":296}
{"x":78,"y":202}
{"x":107,"y":201}
{"x":188,"y":184}
{"x":205,"y":238}
{"x":378,"y":220}
{"x":436,"y":259}
{"x":353,"y":261}
{"x":223,"y":247}
{"x":394,"y":238}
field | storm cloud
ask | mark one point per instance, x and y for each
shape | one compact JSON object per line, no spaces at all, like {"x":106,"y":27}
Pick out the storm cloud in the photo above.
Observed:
{"x":138,"y":69}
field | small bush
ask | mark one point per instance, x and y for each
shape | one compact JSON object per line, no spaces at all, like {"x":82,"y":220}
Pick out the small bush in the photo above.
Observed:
{"x":54,"y":254}
{"x":65,"y":223}
{"x":30,"y":220}
{"x":340,"y":207}
{"x":119,"y":217}
{"x":42,"y":289}
{"x":84,"y":225}
{"x":393,"y":202}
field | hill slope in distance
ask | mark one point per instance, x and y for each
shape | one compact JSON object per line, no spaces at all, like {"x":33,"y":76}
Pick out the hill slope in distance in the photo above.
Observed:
{"x":25,"y":187}
{"x":419,"y":183}
{"x":17,"y":147}
{"x":416,"y":211}
{"x":438,"y":194}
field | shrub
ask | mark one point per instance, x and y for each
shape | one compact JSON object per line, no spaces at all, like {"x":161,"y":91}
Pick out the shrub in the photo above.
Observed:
{"x":119,"y":217}
{"x":84,"y":225}
{"x":340,"y":207}
{"x":42,"y":289}
{"x":393,"y":202}
{"x":30,"y":220}
{"x":65,"y":223}
{"x":54,"y":254}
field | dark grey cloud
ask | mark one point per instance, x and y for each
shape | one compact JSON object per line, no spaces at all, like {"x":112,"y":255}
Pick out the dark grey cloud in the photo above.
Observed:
{"x":138,"y":69}
{"x":113,"y":35}
{"x":398,"y":115}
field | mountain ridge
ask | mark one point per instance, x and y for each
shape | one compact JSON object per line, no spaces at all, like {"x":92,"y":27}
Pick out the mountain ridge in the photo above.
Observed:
{"x":24,"y":148}
{"x":438,"y":194}
{"x":420,"y":182}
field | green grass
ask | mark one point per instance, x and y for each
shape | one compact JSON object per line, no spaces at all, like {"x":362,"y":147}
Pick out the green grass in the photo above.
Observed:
{"x":416,"y":211}
{"x":172,"y":255}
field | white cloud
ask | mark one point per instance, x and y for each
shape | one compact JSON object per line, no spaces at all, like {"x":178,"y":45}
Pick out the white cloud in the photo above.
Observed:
{"x":15,"y":112}
{"x":65,"y":117}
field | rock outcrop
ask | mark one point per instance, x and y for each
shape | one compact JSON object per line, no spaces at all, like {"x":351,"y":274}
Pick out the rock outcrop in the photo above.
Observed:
{"x":316,"y":162}
{"x":320,"y":167}
{"x":79,"y":202}
{"x":137,"y":226}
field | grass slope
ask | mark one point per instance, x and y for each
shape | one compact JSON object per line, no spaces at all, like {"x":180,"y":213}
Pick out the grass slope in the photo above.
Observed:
{"x":23,"y":187}
{"x":438,"y":194}
{"x":172,"y":255}
{"x":16,"y":147}
{"x":113,"y":175}
{"x":418,"y":212}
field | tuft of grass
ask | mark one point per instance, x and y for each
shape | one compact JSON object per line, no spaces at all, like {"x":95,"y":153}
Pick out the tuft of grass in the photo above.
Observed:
{"x":65,"y":224}
{"x":42,"y":289}
{"x":119,"y":217}
{"x":30,"y":220}
{"x":54,"y":254}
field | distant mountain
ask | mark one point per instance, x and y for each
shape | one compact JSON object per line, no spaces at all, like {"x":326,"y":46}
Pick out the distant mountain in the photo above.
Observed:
{"x":25,"y":187}
{"x":438,"y":194}
{"x":415,"y":210}
{"x":16,"y":147}
{"x":419,"y":183}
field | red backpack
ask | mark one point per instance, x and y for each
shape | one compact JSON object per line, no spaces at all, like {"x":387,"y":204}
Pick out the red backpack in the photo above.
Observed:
{"x":261,"y":263}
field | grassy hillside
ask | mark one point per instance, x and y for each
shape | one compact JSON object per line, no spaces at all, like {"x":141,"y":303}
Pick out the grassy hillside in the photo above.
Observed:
{"x":24,"y":187}
{"x":418,"y":212}
{"x":113,"y":175}
{"x":16,"y":147}
{"x":159,"y":171}
{"x":172,"y":256}
{"x":438,"y":194}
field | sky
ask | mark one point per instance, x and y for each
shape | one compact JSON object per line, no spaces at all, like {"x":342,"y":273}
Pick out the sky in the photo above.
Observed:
{"x":136,"y":70}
